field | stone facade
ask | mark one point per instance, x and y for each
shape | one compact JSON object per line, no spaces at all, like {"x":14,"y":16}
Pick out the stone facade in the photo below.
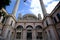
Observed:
{"x":30,"y":27}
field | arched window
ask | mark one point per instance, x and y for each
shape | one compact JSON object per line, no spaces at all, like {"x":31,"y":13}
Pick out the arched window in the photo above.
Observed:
{"x":55,"y":21}
{"x":58,"y":15}
{"x":38,"y":27}
{"x":46,"y":22}
{"x":39,"y":34}
{"x":11,"y":23}
{"x":19,"y":32}
{"x":3,"y":20}
{"x":29,"y":32}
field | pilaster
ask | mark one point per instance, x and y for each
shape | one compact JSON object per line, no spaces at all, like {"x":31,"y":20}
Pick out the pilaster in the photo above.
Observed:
{"x":34,"y":34}
{"x":24,"y":34}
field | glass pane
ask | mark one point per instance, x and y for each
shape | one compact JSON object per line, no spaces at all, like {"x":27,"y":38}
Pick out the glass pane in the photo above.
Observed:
{"x":29,"y":35}
{"x":18,"y":36}
{"x":39,"y":35}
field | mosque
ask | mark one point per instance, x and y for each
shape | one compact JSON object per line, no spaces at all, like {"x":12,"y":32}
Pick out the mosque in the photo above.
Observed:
{"x":30,"y":27}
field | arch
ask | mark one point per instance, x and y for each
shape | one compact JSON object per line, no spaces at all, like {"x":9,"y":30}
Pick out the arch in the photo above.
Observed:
{"x":38,"y":27}
{"x":29,"y":27}
{"x":19,"y":27}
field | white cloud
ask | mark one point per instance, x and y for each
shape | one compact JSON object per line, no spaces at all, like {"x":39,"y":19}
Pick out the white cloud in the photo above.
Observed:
{"x":51,"y":6}
{"x":36,"y":7}
{"x":36,"y":11}
{"x":46,"y":1}
{"x":35,"y":3}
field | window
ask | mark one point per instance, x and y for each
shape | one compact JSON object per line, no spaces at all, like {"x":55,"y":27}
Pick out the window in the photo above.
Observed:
{"x":19,"y":31}
{"x":39,"y":35}
{"x":3,"y":20}
{"x":29,"y":32}
{"x":18,"y":35}
{"x":58,"y":15}
{"x":46,"y":23}
{"x":54,"y":19}
{"x":11,"y":23}
{"x":29,"y":35}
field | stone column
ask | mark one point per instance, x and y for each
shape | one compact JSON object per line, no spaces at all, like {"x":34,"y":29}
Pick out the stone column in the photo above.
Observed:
{"x":16,"y":7}
{"x":53,"y":34}
{"x":43,"y":8}
{"x":33,"y":35}
{"x":24,"y":34}
{"x":48,"y":35}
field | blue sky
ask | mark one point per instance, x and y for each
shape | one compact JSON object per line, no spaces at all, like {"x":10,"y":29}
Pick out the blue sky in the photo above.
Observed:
{"x":32,"y":6}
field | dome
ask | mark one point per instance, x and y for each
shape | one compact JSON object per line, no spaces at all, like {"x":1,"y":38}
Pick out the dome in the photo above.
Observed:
{"x":29,"y":17}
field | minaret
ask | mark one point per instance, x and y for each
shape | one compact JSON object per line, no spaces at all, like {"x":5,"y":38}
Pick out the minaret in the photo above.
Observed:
{"x":15,"y":7}
{"x":43,"y":8}
{"x":39,"y":16}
